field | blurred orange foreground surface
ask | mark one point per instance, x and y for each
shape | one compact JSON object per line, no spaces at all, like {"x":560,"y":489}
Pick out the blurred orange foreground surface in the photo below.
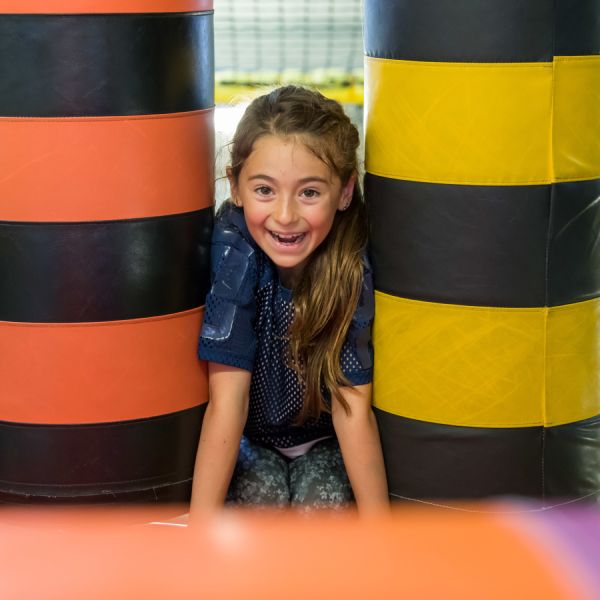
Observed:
{"x":414,"y":553}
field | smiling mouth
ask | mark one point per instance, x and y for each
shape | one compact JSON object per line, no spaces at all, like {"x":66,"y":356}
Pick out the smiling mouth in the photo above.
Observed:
{"x":288,"y":239}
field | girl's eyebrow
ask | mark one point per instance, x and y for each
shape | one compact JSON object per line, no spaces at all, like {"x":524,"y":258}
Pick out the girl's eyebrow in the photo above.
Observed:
{"x":313,"y":178}
{"x":260,"y":176}
{"x":303,"y":180}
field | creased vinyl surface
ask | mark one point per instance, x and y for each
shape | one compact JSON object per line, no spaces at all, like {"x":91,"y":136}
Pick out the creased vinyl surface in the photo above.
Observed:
{"x":486,"y":366}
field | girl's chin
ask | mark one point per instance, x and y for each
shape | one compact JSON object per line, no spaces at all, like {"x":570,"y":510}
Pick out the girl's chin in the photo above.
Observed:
{"x":288,"y":263}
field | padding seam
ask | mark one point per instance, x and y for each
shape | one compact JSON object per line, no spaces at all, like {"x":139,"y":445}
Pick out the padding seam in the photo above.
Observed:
{"x":583,"y":58}
{"x":101,"y":119}
{"x":464,"y":65}
{"x":126,"y":322}
{"x":401,"y":177}
{"x":458,"y":307}
{"x":483,"y":424}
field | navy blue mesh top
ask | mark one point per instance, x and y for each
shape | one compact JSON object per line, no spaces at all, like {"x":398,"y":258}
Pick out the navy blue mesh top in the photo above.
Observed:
{"x":248,"y":313}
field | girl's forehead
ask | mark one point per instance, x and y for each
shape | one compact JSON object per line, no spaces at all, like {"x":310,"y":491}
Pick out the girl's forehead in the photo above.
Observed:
{"x":277,"y":152}
{"x":276,"y":141}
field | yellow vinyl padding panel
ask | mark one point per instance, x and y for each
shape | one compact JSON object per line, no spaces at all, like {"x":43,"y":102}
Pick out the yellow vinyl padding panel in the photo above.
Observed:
{"x":486,"y":366}
{"x":576,"y":117}
{"x":573,"y":362}
{"x":458,"y":123}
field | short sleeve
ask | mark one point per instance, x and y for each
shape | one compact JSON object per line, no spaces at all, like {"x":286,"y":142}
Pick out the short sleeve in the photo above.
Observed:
{"x":357,"y":352}
{"x":227,"y":335}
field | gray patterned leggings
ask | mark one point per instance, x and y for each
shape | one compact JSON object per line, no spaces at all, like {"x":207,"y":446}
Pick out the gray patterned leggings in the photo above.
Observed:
{"x":264,"y":477}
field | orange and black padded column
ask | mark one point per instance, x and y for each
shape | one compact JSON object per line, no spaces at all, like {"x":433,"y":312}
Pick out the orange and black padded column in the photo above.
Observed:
{"x":483,"y":179}
{"x":106,"y":122}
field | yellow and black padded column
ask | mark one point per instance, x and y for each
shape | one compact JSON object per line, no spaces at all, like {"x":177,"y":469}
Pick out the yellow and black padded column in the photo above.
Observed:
{"x":483,"y":185}
{"x":106,"y":129}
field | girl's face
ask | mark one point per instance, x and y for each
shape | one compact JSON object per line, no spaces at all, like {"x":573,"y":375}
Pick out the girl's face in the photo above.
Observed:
{"x":290,"y":198}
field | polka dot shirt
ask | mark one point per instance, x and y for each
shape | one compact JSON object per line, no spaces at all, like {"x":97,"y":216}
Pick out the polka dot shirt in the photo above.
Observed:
{"x":247,"y":317}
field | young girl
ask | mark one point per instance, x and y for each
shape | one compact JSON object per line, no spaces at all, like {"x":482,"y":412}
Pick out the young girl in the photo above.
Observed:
{"x":288,"y":318}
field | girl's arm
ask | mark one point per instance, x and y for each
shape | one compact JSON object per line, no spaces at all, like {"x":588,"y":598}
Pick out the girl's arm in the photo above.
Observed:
{"x":222,"y":429}
{"x":359,"y":441}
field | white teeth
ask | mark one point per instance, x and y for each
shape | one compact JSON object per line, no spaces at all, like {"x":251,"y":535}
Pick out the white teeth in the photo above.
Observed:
{"x":288,"y":239}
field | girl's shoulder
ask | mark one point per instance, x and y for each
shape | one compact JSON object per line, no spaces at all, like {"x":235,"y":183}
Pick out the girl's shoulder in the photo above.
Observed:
{"x":367,"y":269}
{"x":230,"y":223}
{"x":233,"y":250}
{"x":365,"y":309}
{"x":230,"y":231}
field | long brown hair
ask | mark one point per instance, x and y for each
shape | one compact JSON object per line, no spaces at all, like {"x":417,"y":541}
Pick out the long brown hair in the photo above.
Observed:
{"x":326,"y":297}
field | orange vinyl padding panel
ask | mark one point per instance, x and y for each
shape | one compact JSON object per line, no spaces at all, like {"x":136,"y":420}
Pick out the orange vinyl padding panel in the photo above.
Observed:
{"x":103,"y":6}
{"x":105,"y":168}
{"x":101,"y":372}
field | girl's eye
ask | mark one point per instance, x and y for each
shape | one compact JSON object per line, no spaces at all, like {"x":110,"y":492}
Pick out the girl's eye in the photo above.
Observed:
{"x":263,"y":190}
{"x":310,"y":193}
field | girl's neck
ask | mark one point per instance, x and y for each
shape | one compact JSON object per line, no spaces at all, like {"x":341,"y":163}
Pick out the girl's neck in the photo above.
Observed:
{"x":289,"y":277}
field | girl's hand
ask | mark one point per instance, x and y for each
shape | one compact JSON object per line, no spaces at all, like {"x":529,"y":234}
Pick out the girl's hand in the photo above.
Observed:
{"x":359,"y":441}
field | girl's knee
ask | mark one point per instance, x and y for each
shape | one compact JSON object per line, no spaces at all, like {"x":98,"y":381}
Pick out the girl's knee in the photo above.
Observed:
{"x":260,"y":478}
{"x":319,"y":479}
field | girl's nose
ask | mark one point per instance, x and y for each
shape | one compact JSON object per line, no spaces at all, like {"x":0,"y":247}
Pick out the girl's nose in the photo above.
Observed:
{"x":285,"y":212}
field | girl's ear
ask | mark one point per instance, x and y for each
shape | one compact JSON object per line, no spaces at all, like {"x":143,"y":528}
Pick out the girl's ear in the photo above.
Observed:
{"x":347,"y":193}
{"x":233,"y":187}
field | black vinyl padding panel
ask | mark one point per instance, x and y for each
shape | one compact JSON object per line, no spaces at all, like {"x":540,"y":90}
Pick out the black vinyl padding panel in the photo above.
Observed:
{"x":427,"y":460}
{"x":140,"y":460}
{"x":572,"y":460}
{"x":574,"y":252}
{"x":577,"y":27}
{"x":512,"y":246}
{"x":461,"y":30}
{"x":105,"y":64}
{"x":104,"y":271}
{"x":469,"y":245}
